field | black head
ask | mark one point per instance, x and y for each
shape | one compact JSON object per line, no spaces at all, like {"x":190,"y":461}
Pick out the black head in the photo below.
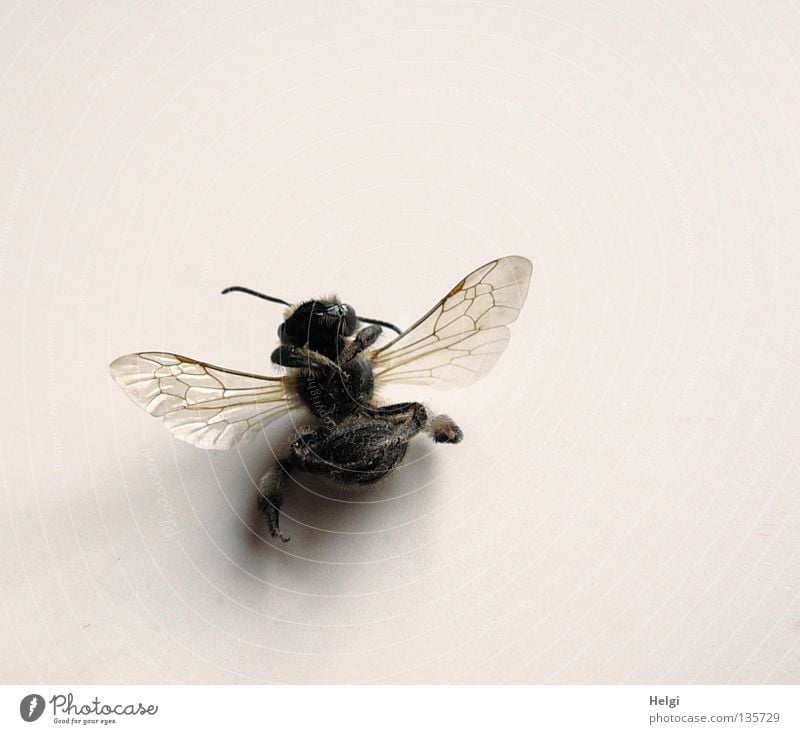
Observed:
{"x":314,"y":322}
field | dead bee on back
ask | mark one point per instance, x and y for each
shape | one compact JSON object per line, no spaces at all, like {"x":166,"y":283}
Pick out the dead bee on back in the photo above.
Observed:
{"x":333,"y":370}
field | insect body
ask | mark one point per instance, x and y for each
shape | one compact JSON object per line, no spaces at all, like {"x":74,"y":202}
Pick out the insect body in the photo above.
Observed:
{"x":333,"y":368}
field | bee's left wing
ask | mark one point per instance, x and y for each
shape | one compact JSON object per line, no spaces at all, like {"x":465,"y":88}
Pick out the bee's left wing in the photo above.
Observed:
{"x":461,"y":337}
{"x":207,"y":406}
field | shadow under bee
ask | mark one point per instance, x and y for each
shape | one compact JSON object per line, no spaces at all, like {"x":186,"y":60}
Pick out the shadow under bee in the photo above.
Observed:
{"x":322,"y":511}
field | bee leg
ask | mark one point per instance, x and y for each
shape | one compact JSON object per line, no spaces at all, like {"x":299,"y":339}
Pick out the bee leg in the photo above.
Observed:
{"x":410,"y":414}
{"x":443,"y":429}
{"x":408,"y":419}
{"x":302,"y":358}
{"x":270,"y":496}
{"x":361,"y":341}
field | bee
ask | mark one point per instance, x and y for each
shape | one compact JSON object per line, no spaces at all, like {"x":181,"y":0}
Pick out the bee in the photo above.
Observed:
{"x":333,"y":368}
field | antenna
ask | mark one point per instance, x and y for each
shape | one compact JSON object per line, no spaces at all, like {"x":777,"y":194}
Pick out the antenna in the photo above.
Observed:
{"x":251,"y":292}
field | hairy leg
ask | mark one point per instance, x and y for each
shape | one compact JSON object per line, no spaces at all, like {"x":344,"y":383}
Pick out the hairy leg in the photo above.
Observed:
{"x":361,"y":341}
{"x":270,"y":496}
{"x":441,"y":428}
{"x":302,"y":358}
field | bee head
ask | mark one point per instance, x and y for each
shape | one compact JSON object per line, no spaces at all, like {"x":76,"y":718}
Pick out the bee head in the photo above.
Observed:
{"x":315,"y":321}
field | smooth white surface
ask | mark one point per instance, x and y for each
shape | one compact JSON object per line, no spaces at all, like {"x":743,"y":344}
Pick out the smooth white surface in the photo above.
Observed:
{"x":624,"y":507}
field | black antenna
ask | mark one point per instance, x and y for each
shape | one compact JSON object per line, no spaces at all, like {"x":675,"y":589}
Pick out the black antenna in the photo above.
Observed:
{"x":249,"y":291}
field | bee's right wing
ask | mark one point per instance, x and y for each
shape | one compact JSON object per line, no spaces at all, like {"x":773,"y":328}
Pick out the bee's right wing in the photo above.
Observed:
{"x":207,"y":406}
{"x":459,"y":340}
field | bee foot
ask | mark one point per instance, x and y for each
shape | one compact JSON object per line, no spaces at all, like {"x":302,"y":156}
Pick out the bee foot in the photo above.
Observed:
{"x":443,"y":429}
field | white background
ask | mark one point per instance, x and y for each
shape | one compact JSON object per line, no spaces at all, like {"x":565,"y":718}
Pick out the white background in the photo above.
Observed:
{"x":624,"y":507}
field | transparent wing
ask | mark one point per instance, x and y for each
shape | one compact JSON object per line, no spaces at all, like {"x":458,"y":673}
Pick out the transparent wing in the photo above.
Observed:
{"x":210,"y":407}
{"x":461,"y":337}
